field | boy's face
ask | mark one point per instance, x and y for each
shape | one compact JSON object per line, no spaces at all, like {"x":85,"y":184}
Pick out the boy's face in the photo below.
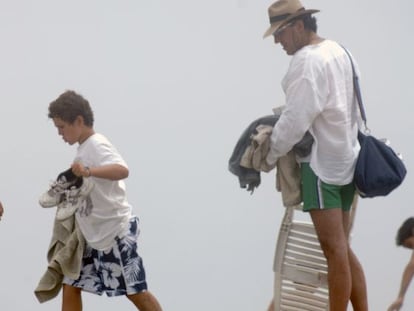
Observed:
{"x":70,"y":133}
{"x":409,"y":243}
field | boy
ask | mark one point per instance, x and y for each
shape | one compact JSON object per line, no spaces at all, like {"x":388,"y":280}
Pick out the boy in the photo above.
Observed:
{"x":111,"y":263}
{"x":405,"y":238}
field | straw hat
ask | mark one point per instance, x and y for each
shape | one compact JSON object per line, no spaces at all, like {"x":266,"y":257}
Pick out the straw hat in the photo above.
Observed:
{"x":283,"y":11}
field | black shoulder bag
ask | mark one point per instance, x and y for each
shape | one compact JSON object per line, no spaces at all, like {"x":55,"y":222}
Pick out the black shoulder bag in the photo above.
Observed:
{"x":379,"y":170}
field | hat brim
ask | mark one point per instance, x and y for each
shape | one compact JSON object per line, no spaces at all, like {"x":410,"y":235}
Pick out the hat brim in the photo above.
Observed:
{"x":277,"y":25}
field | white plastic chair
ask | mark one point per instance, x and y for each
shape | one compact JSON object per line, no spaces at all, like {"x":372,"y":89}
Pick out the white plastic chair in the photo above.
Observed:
{"x":300,"y":267}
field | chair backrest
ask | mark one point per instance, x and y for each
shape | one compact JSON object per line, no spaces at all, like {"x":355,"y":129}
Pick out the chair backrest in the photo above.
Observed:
{"x":300,"y":268}
{"x":301,"y":277}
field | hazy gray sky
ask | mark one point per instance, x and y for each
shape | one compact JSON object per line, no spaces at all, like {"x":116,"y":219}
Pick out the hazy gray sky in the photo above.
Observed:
{"x":173,"y":84}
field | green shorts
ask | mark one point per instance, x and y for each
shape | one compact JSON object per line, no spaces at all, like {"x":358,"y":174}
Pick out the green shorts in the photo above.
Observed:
{"x":320,"y":195}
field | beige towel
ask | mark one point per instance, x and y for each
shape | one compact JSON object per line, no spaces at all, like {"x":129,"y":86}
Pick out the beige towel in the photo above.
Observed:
{"x":255,"y":154}
{"x":288,"y":179}
{"x":64,"y":256}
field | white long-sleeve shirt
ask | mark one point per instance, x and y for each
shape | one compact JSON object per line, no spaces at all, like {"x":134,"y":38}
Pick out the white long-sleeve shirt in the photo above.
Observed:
{"x":320,"y":98}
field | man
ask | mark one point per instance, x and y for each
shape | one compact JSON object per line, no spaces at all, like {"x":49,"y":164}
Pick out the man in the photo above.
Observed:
{"x":405,"y":238}
{"x":320,"y":98}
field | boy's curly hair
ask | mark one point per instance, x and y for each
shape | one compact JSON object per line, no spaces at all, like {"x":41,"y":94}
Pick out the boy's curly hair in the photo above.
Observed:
{"x":68,"y":106}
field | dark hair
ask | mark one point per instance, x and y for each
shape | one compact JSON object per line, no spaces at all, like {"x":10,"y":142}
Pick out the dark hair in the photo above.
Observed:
{"x":405,"y":231}
{"x":309,"y":22}
{"x":68,"y":106}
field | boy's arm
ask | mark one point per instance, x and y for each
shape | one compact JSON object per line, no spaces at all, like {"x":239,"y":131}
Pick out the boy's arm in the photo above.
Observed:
{"x":405,"y":282}
{"x":1,"y":210}
{"x":110,"y":171}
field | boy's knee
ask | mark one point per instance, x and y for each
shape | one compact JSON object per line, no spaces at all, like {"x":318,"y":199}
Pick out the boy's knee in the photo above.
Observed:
{"x":145,"y":301}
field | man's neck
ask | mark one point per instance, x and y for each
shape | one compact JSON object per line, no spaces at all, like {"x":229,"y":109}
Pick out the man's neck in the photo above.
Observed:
{"x":308,"y":38}
{"x":313,"y":38}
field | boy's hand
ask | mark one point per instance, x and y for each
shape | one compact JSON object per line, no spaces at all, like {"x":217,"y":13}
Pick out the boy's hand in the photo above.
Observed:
{"x":79,"y":170}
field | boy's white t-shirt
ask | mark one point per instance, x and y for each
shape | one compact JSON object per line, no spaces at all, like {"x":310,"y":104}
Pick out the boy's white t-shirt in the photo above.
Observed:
{"x":105,"y":214}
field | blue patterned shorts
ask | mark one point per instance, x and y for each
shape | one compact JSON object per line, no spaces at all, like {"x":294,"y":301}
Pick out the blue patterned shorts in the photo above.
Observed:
{"x":116,"y":271}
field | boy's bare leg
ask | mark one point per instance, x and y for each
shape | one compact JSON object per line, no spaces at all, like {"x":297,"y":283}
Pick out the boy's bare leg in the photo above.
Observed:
{"x":145,"y":301}
{"x":71,"y":298}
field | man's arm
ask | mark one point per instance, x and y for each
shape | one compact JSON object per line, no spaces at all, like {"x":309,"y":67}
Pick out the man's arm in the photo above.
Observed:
{"x":405,"y":282}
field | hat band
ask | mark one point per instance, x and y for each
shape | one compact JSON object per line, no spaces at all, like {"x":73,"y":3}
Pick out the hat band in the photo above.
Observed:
{"x":278,"y":18}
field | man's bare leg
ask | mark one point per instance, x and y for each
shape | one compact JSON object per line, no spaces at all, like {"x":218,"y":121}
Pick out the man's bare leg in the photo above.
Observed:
{"x":333,"y":239}
{"x":271,"y":306}
{"x":359,"y":296}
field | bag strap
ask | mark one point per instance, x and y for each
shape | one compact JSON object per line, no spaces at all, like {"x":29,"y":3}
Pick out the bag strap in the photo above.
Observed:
{"x":357,"y":90}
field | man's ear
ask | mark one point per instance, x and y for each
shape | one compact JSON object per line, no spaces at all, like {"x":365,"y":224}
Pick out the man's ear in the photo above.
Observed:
{"x":299,"y":25}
